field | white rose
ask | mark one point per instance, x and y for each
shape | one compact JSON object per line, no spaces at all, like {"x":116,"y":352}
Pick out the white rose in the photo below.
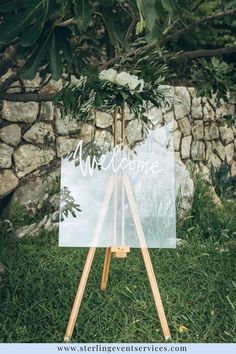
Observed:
{"x":134,"y":82}
{"x":122,"y":79}
{"x":108,"y":75}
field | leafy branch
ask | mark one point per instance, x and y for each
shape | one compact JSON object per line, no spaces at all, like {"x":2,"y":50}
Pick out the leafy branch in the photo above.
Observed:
{"x":198,"y":22}
{"x":67,"y":205}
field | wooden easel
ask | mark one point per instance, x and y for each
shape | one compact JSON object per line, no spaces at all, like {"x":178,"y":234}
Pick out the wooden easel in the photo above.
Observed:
{"x":119,"y":252}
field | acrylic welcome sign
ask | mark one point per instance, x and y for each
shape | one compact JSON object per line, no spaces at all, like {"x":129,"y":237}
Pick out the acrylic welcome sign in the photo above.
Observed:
{"x":114,"y":189}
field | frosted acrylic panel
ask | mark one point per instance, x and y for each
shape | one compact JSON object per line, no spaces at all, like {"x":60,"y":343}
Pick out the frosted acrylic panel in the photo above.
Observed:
{"x":116,"y":188}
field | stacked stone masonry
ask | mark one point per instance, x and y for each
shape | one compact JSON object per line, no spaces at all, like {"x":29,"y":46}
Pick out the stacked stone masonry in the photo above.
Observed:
{"x":33,"y":135}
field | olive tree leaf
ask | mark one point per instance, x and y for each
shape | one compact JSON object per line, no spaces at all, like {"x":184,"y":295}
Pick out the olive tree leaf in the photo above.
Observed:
{"x":31,"y":34}
{"x":13,"y":25}
{"x":113,"y":34}
{"x":32,"y":65}
{"x":83,"y":14}
{"x":56,"y":66}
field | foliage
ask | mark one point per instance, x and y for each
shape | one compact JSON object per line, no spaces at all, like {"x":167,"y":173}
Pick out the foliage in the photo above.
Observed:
{"x":78,"y":37}
{"x":214,"y":77}
{"x":155,"y":72}
{"x":40,"y":38}
{"x":207,"y":218}
{"x":229,"y":120}
{"x":67,"y":205}
{"x":153,"y":16}
{"x":223,"y":183}
{"x":48,"y":42}
{"x":19,"y":215}
{"x":88,"y":94}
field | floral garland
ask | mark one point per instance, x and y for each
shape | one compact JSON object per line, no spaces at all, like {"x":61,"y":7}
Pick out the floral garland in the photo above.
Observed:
{"x":108,"y":91}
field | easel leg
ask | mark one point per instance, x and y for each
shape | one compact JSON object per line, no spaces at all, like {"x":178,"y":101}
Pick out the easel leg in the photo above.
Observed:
{"x":79,"y":294}
{"x":156,"y":293}
{"x":106,"y":268}
{"x":147,"y":260}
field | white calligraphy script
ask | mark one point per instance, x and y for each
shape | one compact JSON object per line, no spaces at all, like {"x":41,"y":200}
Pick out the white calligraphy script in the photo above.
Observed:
{"x":115,"y":161}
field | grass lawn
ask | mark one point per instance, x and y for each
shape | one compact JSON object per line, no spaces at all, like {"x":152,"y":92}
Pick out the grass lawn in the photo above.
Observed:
{"x":196,"y":281}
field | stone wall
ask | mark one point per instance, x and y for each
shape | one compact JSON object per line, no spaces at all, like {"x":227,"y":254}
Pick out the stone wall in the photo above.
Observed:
{"x":33,"y":136}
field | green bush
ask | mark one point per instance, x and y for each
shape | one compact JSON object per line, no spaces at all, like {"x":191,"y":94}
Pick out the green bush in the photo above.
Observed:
{"x":207,"y":218}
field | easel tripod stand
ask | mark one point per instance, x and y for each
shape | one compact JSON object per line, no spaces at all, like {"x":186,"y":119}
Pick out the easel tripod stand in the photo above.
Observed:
{"x":119,"y":252}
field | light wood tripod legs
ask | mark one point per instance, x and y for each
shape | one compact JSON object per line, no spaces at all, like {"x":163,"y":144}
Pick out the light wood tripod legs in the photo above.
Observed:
{"x":79,"y":294}
{"x":106,"y":268}
{"x":119,"y":251}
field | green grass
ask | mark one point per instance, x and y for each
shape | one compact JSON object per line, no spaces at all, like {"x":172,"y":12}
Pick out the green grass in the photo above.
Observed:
{"x":196,"y":281}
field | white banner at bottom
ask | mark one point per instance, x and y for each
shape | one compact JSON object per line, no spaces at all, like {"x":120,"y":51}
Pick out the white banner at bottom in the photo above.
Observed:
{"x":190,"y":348}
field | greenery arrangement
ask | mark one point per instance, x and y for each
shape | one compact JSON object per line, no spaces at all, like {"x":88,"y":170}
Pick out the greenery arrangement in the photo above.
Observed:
{"x":110,"y":90}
